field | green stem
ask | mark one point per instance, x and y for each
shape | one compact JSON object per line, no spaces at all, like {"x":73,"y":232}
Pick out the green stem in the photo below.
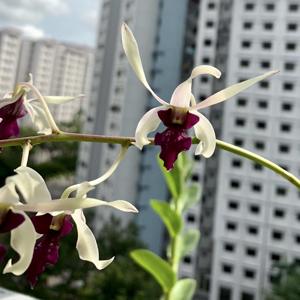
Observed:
{"x":65,"y":136}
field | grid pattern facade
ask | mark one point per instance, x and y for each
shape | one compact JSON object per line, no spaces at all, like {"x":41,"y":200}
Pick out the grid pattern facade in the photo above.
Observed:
{"x":256,"y":213}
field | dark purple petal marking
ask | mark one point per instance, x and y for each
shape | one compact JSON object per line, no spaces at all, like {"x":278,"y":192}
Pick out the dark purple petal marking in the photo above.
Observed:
{"x":10,"y":221}
{"x":46,"y":251}
{"x":174,"y":139}
{"x":9,"y":115}
{"x":2,"y":252}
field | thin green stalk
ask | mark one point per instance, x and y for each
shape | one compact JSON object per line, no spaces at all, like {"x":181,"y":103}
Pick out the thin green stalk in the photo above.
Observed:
{"x":65,"y":136}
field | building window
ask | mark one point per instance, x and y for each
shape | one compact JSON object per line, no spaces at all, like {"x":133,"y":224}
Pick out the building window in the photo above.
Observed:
{"x":229,"y":247}
{"x":249,"y":273}
{"x":290,"y":46}
{"x":248,"y":25}
{"x":288,"y":86}
{"x":297,"y":239}
{"x":249,"y":6}
{"x":206,"y":60}
{"x":257,"y":167}
{"x":264,"y":84}
{"x":284,"y":148}
{"x":209,"y":24}
{"x":211,"y":5}
{"x":278,"y":213}
{"x":236,"y":163}
{"x":285,"y":127}
{"x":227,"y":268}
{"x":292,"y":26}
{"x":254,"y":209}
{"x":190,"y":218}
{"x":261,"y":124}
{"x":224,"y":293}
{"x":235,"y":184}
{"x":240,"y":122}
{"x":293,"y":7}
{"x":259,"y":145}
{"x":250,"y":251}
{"x":207,"y":42}
{"x":262,"y":104}
{"x":281,"y":191}
{"x":275,"y":257}
{"x":289,"y":66}
{"x":187,"y":260}
{"x":231,"y":226}
{"x":266,"y":45}
{"x":270,"y":6}
{"x":247,"y":296}
{"x":286,"y":106}
{"x":241,"y":102}
{"x":244,"y":63}
{"x":268,"y":26}
{"x":238,"y":142}
{"x":252,"y":230}
{"x":256,"y":187}
{"x":277,"y":235}
{"x":246,"y":44}
{"x":233,"y":205}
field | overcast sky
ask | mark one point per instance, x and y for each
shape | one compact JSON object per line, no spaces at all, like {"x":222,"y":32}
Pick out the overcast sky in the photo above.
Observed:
{"x":65,"y":20}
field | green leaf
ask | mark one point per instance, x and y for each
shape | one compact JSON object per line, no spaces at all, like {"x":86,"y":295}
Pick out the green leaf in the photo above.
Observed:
{"x":183,"y":289}
{"x":170,"y":218}
{"x":187,"y":241}
{"x":156,"y":266}
{"x":189,"y":197}
{"x":172,"y":179}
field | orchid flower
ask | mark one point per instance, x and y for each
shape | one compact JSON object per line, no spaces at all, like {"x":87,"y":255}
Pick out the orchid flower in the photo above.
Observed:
{"x":22,"y":232}
{"x":181,"y":113}
{"x":15,"y":105}
{"x":53,"y":220}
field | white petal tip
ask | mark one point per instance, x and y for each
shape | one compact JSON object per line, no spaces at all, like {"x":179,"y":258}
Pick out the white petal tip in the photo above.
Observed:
{"x":140,"y":145}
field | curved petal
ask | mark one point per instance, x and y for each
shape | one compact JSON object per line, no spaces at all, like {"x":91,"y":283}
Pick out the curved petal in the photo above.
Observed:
{"x":86,"y":243}
{"x":182,"y":94}
{"x":70,"y":204}
{"x":231,"y":91}
{"x":22,"y":240}
{"x":38,"y":116}
{"x":204,"y":131}
{"x":61,"y":99}
{"x":132,"y":52}
{"x":8,"y":195}
{"x":148,"y":123}
{"x":31,"y":185}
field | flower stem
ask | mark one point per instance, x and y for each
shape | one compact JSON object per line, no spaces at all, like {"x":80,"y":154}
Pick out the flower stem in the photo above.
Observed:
{"x":49,"y":116}
{"x":65,"y":136}
{"x":25,"y":154}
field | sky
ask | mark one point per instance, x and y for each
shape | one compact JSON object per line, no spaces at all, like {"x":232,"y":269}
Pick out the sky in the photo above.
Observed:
{"x":65,"y":20}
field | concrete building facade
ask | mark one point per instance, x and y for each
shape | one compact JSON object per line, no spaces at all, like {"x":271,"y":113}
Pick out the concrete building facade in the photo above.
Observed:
{"x":252,"y":218}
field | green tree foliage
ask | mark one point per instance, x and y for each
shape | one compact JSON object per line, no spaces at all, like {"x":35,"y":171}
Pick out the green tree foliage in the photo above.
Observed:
{"x":286,"y":282}
{"x":72,"y":278}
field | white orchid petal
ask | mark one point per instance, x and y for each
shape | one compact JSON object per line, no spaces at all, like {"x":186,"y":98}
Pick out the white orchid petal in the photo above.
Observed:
{"x":8,"y":195}
{"x":61,"y":99}
{"x":132,"y":52}
{"x":70,"y":204}
{"x":148,"y":123}
{"x":204,"y":131}
{"x":86,"y":243}
{"x":232,"y":91}
{"x":22,"y":240}
{"x":182,"y":94}
{"x":31,"y":185}
{"x":38,"y":117}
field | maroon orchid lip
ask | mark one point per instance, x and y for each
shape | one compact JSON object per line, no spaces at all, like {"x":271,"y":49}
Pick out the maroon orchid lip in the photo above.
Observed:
{"x":2,"y":252}
{"x":10,"y":114}
{"x":10,"y":221}
{"x":46,"y":251}
{"x":174,"y":139}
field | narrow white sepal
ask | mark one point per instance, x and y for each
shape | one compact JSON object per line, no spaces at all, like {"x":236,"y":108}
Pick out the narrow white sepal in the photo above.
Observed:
{"x":22,"y":240}
{"x":148,"y":123}
{"x":86,"y":243}
{"x":132,"y":52}
{"x":182,"y":94}
{"x":61,"y":99}
{"x":231,"y":91}
{"x":204,"y":131}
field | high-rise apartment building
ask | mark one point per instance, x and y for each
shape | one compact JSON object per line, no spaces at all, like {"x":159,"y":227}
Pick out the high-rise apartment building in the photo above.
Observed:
{"x":250,"y":216}
{"x":10,"y":43}
{"x":58,"y":69}
{"x":119,"y":100}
